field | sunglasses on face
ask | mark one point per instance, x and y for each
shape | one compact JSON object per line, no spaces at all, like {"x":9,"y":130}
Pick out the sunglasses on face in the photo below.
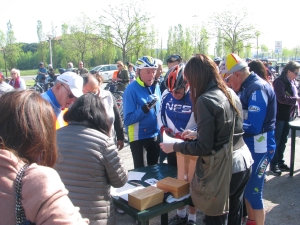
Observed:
{"x":297,"y":74}
{"x":70,"y":95}
{"x":227,"y":78}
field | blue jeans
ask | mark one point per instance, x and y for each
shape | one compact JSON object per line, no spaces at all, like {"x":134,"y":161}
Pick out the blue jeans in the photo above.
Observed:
{"x":281,"y":136}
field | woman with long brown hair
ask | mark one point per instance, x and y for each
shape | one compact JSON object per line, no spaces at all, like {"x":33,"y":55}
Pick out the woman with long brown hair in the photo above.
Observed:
{"x":28,"y":145}
{"x":215,"y":107}
{"x":259,"y":68}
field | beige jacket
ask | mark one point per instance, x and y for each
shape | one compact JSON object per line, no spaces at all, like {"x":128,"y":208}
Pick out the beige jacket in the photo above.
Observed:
{"x":44,"y":197}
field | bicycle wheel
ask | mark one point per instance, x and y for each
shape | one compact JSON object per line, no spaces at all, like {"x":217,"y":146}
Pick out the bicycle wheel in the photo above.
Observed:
{"x":119,"y":101}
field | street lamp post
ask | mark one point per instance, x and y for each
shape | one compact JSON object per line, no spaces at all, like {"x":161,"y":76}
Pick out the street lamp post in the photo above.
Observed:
{"x":50,"y":36}
{"x":257,"y":33}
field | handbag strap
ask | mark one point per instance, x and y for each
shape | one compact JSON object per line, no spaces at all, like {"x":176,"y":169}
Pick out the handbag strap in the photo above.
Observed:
{"x":233,"y":124}
{"x":20,"y":214}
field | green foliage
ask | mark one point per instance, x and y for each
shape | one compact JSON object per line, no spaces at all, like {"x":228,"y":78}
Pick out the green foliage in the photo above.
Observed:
{"x":28,"y":72}
{"x":234,"y":29}
{"x":123,"y":33}
{"x":126,"y":24}
{"x":179,"y":42}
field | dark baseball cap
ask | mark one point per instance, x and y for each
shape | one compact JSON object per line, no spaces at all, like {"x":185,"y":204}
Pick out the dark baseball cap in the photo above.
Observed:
{"x":174,"y":58}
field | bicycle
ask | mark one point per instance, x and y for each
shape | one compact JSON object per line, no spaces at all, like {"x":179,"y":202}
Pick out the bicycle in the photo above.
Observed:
{"x":38,"y":86}
{"x":112,"y":86}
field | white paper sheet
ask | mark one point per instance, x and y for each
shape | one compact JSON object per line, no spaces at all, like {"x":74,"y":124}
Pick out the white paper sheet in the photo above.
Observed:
{"x":135,"y":175}
{"x":168,"y":139}
{"x":171,"y":199}
{"x":123,"y":192}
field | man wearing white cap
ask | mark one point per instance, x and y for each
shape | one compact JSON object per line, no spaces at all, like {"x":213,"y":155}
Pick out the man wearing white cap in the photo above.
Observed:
{"x":67,"y":88}
{"x":259,"y":114}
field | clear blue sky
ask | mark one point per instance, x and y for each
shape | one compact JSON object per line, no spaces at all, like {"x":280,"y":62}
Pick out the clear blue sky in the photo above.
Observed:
{"x":278,"y":20}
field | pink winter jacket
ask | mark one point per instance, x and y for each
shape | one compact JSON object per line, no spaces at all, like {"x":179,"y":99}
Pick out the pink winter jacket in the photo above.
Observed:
{"x":44,"y":196}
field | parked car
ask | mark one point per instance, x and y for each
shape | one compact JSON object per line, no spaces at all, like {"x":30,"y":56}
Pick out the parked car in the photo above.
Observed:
{"x":279,"y":67}
{"x":105,"y":70}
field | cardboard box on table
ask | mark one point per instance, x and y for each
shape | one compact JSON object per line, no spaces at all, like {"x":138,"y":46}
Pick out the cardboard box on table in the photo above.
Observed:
{"x":145,"y":198}
{"x":178,"y":188}
{"x":186,"y":165}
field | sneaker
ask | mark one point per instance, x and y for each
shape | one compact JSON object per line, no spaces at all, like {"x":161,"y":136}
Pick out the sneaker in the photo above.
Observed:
{"x":275,"y":170}
{"x":177,"y":220}
{"x":191,"y":222}
{"x":119,"y":210}
{"x":284,"y":167}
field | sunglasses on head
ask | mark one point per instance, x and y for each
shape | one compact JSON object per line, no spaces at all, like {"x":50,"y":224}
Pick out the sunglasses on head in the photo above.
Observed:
{"x":70,"y":95}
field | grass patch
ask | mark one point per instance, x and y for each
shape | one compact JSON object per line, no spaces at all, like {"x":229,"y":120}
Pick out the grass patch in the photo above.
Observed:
{"x":31,"y":72}
{"x":29,"y":83}
{"x":28,"y":72}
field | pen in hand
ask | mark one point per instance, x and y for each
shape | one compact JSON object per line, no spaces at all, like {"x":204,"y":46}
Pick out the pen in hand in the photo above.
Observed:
{"x":137,"y":184}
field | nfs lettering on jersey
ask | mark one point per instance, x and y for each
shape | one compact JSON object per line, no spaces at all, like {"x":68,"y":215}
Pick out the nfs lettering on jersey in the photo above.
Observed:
{"x":179,"y":108}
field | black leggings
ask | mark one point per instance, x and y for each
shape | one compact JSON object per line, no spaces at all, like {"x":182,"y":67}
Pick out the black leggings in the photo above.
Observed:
{"x":237,"y":186}
{"x":151,"y":145}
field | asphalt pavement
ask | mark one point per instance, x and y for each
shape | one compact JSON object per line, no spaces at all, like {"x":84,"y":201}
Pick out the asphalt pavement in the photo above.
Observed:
{"x":281,"y":193}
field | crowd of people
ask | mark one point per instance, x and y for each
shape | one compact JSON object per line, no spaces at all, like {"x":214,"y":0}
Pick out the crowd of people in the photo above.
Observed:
{"x":69,"y":137}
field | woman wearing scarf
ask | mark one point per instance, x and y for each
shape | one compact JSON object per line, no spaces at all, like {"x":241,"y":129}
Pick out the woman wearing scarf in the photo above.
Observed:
{"x":16,"y":81}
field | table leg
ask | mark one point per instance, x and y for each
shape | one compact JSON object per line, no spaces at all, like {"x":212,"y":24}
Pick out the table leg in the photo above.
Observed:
{"x":293,"y":138}
{"x":164,"y":218}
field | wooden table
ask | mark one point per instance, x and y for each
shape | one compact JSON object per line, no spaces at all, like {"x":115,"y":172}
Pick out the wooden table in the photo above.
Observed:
{"x":294,"y":126}
{"x":158,"y":171}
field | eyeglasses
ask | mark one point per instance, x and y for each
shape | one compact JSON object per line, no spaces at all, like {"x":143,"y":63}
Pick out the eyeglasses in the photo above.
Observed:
{"x":119,"y":65}
{"x":70,"y":95}
{"x":227,"y":78}
{"x":297,"y":74}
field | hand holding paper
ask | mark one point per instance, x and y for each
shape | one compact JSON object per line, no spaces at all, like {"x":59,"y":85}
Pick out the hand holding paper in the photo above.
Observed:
{"x":189,"y":134}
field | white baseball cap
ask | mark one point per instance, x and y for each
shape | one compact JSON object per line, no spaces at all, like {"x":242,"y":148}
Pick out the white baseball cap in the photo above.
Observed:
{"x":74,"y":81}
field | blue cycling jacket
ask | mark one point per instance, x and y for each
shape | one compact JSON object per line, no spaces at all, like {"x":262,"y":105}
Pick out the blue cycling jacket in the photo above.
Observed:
{"x":140,"y":125}
{"x":176,"y":114}
{"x":259,"y":112}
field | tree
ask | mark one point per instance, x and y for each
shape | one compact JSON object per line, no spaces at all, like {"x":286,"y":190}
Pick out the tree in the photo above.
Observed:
{"x":12,"y":49}
{"x":2,"y":48}
{"x":233,"y":27}
{"x":202,"y":40}
{"x":264,"y":50}
{"x":41,"y":38}
{"x":127,"y":24}
{"x":80,"y":40}
{"x":248,"y":48}
{"x":296,"y":52}
{"x":187,"y":47}
{"x":219,"y":44}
